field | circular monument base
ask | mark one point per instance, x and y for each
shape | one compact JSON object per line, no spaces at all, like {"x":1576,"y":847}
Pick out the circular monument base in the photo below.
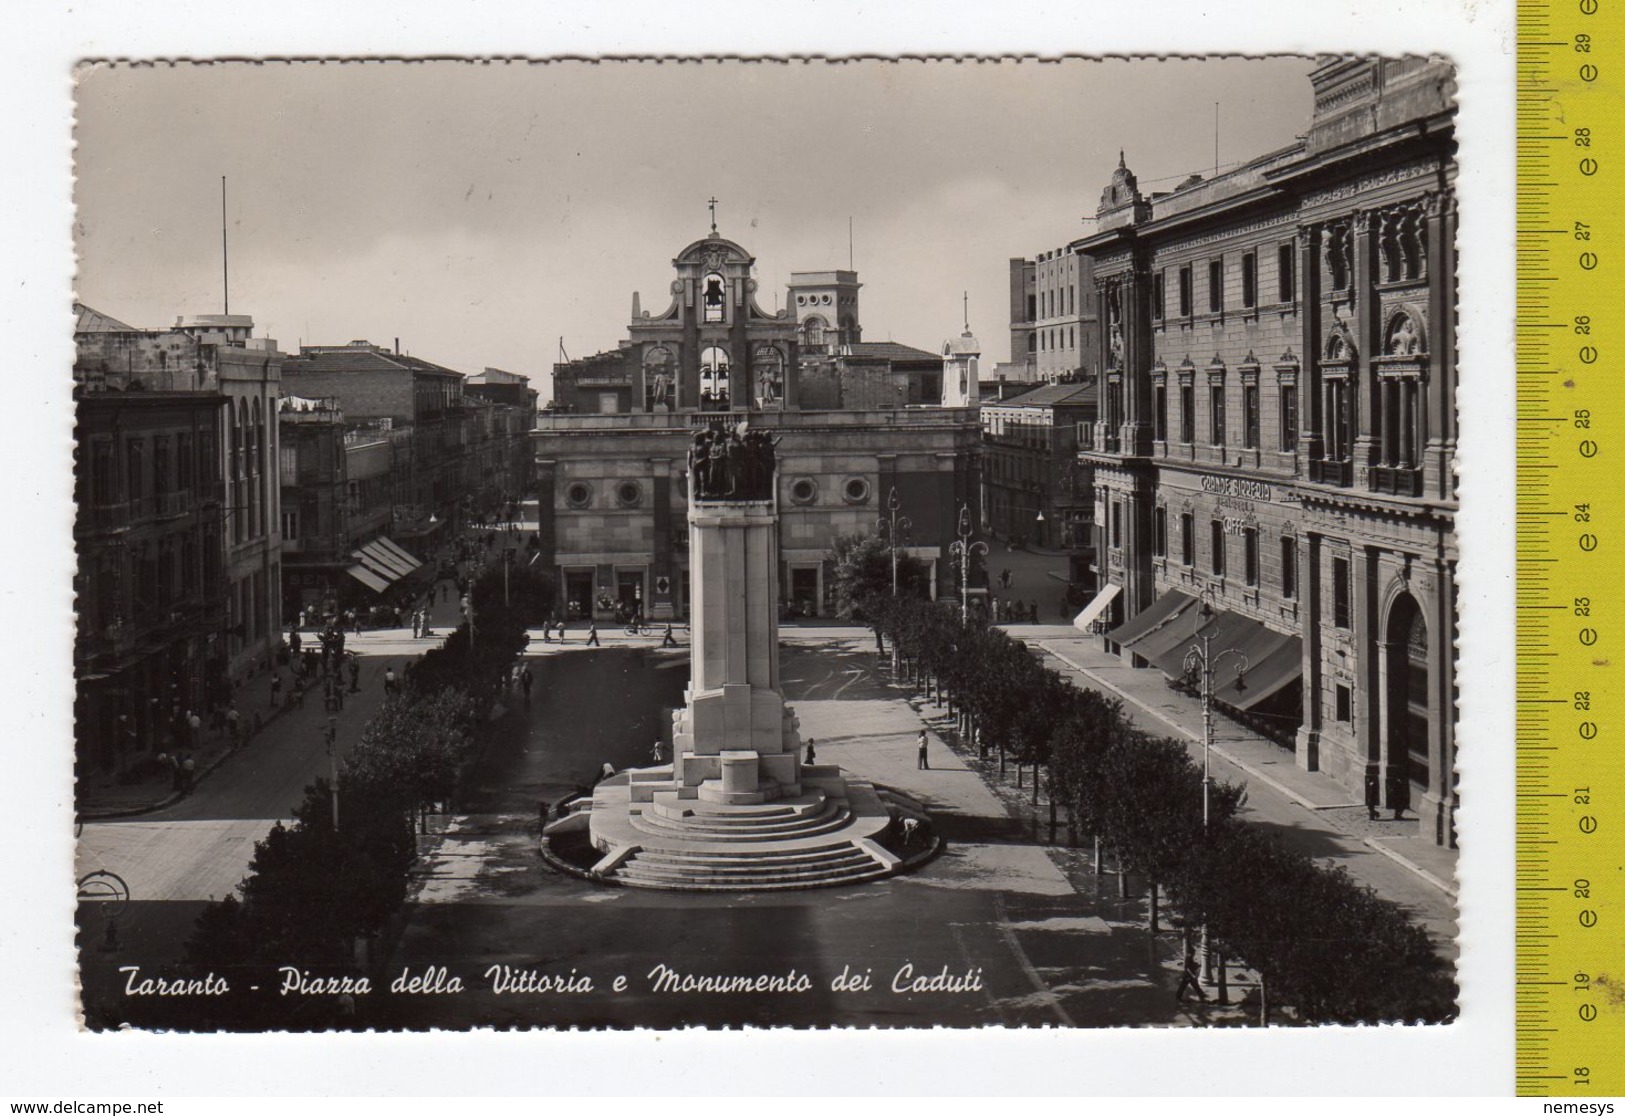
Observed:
{"x":829,"y":834}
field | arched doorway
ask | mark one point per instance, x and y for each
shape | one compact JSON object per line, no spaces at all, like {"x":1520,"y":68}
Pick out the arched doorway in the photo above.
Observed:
{"x":1408,"y":712}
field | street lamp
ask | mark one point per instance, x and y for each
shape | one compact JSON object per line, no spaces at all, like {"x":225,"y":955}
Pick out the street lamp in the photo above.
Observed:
{"x":892,"y":526}
{"x":1201,"y":664}
{"x":1039,"y":526}
{"x":963,"y":549}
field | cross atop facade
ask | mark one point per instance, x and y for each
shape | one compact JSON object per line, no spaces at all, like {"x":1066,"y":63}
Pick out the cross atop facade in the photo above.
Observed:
{"x":713,"y":204}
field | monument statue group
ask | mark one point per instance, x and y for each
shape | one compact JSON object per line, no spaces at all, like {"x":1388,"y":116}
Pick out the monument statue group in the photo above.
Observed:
{"x":732,"y":462}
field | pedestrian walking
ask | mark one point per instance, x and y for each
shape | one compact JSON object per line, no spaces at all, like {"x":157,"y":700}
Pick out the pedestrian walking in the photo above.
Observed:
{"x":172,"y":763}
{"x":812,"y":753}
{"x":276,"y":687}
{"x":234,"y":725}
{"x":925,"y":760}
{"x":561,"y":631}
{"x":547,"y":631}
{"x":389,"y":680}
{"x":194,"y":729}
{"x":669,"y":640}
{"x":355,"y":675}
{"x":417,"y":623}
{"x":592,"y":633}
{"x":658,"y":752}
{"x":445,"y":592}
{"x":525,"y":680}
{"x":1190,"y":977}
{"x":1032,"y":612}
{"x":1399,"y":791}
{"x":188,"y":773}
{"x":1373,"y":792}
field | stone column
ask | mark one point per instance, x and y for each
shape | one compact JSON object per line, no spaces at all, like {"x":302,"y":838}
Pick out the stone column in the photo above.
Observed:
{"x":1439,"y":383}
{"x":1311,"y":423}
{"x":1137,"y":349}
{"x":734,"y":705}
{"x":1364,"y":401}
{"x":1307,"y":751}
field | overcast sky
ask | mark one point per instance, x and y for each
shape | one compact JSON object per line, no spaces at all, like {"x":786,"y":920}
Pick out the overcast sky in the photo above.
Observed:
{"x":482,"y":212}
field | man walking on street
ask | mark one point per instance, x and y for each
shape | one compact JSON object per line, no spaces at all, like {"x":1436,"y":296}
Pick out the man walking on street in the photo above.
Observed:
{"x":592,"y":633}
{"x":355,"y":675}
{"x":276,"y":686}
{"x":389,"y":680}
{"x":670,"y":640}
{"x":525,"y":680}
{"x":925,"y":761}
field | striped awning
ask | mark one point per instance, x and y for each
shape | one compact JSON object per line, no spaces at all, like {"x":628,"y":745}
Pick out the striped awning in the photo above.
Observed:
{"x":386,"y":561}
{"x":367,"y":577}
{"x":1094,"y":608}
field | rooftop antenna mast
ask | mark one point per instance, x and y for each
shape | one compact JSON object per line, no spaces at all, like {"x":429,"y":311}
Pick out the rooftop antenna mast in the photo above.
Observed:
{"x":849,"y":265}
{"x":713,"y":204}
{"x":225,"y":260}
{"x":1215,"y":139}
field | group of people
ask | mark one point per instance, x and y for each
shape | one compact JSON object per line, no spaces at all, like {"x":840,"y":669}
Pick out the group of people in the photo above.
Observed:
{"x":1014,"y":611}
{"x":732,"y":462}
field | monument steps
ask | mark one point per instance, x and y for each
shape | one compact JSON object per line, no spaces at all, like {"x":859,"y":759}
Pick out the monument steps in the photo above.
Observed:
{"x":770,"y":831}
{"x":833,"y":864}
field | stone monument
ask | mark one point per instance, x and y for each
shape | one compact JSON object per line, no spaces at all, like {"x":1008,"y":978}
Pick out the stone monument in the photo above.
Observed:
{"x":736,"y":808}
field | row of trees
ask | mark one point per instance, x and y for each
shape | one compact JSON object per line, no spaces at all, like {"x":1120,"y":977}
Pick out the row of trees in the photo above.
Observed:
{"x":338,"y":873}
{"x":1324,"y":943}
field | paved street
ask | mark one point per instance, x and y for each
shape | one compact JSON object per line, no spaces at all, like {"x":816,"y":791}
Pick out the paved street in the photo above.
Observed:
{"x":1053,"y":943}
{"x":997,"y":907}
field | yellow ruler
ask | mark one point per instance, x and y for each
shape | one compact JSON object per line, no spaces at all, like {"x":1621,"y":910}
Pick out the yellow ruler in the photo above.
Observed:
{"x":1571,"y":548}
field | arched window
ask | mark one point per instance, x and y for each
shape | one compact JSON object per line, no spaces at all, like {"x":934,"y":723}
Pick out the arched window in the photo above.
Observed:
{"x":659,"y":389}
{"x":714,"y":366}
{"x":814,"y":328}
{"x":713,"y":296}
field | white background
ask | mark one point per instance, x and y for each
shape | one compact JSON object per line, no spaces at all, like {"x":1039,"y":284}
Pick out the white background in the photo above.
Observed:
{"x":44,"y":1055}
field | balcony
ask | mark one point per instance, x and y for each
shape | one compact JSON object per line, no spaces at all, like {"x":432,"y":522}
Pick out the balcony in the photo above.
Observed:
{"x":1338,"y":473}
{"x":1396,"y":480}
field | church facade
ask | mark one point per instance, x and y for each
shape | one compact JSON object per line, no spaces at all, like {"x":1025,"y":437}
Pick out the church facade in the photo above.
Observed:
{"x":612,"y":455}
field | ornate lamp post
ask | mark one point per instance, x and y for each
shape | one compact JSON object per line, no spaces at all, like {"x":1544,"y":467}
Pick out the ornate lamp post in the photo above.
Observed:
{"x":1201,"y":664}
{"x":892,"y":523}
{"x":963,"y":549}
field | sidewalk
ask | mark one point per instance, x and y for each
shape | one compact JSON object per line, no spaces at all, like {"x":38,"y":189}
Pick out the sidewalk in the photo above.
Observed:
{"x":107,"y":798}
{"x":1313,"y":813}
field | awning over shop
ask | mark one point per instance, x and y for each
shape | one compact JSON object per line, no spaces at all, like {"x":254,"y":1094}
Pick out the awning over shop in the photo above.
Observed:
{"x":1162,"y":610}
{"x":384,"y":562}
{"x":375,"y":555}
{"x":1271,"y":658}
{"x":1093,"y":610}
{"x":390,"y":545}
{"x":1270,"y":676}
{"x":367,"y":577}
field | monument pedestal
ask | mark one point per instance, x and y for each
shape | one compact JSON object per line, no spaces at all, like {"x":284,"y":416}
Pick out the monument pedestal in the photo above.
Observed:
{"x":736,"y":809}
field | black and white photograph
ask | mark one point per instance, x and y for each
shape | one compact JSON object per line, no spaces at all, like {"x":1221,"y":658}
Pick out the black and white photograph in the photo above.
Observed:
{"x":765,"y":542}
{"x":805,"y":543}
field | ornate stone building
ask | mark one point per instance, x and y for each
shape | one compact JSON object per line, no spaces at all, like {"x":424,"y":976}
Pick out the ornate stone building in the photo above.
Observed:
{"x":1277,"y":430}
{"x":611,"y":458}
